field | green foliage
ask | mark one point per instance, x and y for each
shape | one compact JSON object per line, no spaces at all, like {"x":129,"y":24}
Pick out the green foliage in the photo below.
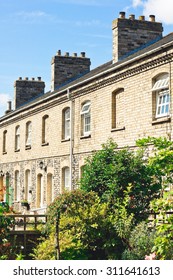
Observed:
{"x":85,"y":225}
{"x":163,"y":245}
{"x":110,"y":170}
{"x":102,"y":219}
{"x":141,"y":242}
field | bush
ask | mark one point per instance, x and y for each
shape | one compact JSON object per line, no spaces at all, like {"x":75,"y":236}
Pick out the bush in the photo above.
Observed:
{"x":141,"y":242}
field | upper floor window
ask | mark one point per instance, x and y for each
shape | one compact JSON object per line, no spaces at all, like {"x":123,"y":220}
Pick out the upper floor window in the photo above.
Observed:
{"x":118,"y":109}
{"x":28,"y":134}
{"x":161,"y":95}
{"x":66,"y":123}
{"x":4,"y":148}
{"x":17,"y":138}
{"x":45,"y":130}
{"x":86,"y":119}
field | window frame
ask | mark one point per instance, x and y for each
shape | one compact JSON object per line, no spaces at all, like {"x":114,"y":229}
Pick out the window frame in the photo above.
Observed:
{"x":44,"y":141}
{"x":4,"y":147}
{"x":28,"y":140}
{"x":162,"y":106}
{"x":161,"y":95}
{"x":66,"y":123}
{"x":17,"y":138}
{"x":66,"y":178}
{"x":85,"y":116}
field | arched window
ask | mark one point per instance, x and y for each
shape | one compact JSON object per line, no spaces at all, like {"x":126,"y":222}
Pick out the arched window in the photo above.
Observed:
{"x":1,"y":188}
{"x":17,"y":138}
{"x":4,"y":141}
{"x":49,"y":188}
{"x":39,"y":194}
{"x":45,"y":130}
{"x":86,"y":119}
{"x":161,"y":96}
{"x":28,"y":134}
{"x":66,"y":178}
{"x":27,"y":189}
{"x":118,"y":109}
{"x":66,"y":123}
{"x":16,"y":186}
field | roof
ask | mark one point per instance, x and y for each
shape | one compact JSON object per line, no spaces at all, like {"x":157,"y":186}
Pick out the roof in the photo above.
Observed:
{"x":98,"y":71}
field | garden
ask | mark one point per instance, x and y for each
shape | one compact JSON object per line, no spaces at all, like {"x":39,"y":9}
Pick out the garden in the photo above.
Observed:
{"x":121,"y":208}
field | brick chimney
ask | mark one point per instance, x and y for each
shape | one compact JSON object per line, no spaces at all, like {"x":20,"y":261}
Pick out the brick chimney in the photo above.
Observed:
{"x":131,"y":34}
{"x":65,"y":68}
{"x":25,"y":90}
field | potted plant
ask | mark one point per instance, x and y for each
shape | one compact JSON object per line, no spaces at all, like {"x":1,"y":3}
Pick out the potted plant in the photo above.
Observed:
{"x":25,"y":203}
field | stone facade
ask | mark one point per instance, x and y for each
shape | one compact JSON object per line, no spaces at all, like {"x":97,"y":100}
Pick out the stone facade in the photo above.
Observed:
{"x":116,"y":100}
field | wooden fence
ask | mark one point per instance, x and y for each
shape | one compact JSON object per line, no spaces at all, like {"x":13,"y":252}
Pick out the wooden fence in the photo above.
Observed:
{"x":27,"y":222}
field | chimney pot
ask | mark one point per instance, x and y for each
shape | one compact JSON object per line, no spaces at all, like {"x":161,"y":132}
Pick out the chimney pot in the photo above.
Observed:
{"x":66,"y":53}
{"x":59,"y":52}
{"x":26,"y":78}
{"x":20,"y":78}
{"x":33,"y":79}
{"x":75,"y":54}
{"x":82,"y":54}
{"x":122,"y":15}
{"x":142,"y":18}
{"x":9,"y":105}
{"x":152,"y":18}
{"x":132,"y":17}
{"x":39,"y":78}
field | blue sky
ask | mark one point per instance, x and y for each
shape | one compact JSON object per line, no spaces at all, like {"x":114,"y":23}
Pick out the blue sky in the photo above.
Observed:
{"x":33,"y":30}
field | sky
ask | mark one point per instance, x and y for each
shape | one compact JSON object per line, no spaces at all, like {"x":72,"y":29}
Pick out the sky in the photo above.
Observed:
{"x":32,"y":31}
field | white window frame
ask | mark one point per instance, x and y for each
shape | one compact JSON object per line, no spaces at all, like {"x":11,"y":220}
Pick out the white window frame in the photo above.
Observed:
{"x":86,"y":118}
{"x":17,"y":186}
{"x":17,"y":138}
{"x":162,"y":93}
{"x":28,"y":133}
{"x":163,"y":103}
{"x":67,"y":124}
{"x":66,"y":178}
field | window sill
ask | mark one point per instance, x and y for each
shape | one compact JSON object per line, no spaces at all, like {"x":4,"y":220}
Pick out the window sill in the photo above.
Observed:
{"x":18,"y":150}
{"x":161,"y":120}
{"x":28,"y":147}
{"x":65,"y":140}
{"x":85,"y":136}
{"x":45,"y":144}
{"x":4,"y":153}
{"x":117,"y":129}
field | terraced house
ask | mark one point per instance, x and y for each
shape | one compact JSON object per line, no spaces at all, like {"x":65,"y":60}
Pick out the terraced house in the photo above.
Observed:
{"x":45,"y":139}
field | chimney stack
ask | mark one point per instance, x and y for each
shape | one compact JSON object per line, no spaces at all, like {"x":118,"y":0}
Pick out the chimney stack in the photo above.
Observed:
{"x":65,"y":68}
{"x":129,"y":34}
{"x":26,"y":90}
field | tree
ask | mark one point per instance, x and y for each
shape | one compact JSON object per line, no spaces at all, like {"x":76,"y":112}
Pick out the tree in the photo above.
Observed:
{"x":87,"y":229}
{"x":110,"y":170}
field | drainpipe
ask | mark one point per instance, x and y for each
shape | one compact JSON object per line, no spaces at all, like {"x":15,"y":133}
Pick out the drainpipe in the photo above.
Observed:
{"x":71,"y":137}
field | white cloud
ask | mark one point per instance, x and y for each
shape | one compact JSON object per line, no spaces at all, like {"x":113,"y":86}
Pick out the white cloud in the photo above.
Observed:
{"x":162,"y":9}
{"x":32,"y":17}
{"x":3,"y":99}
{"x":137,"y":3}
